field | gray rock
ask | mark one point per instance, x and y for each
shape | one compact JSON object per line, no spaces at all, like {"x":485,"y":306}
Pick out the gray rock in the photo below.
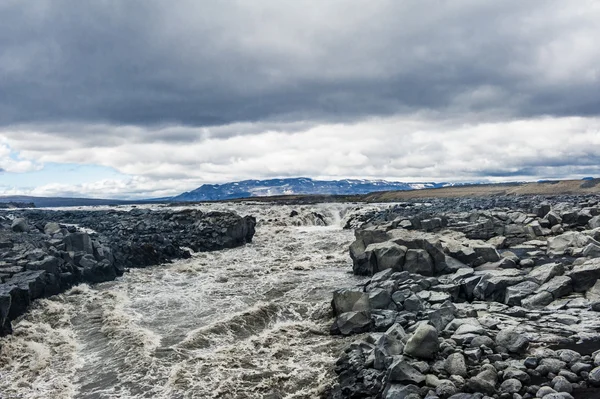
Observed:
{"x":418,"y":261}
{"x":455,"y":365}
{"x":388,"y":255}
{"x":379,"y":298}
{"x":52,"y":228}
{"x":48,"y":263}
{"x":538,"y":300}
{"x":591,"y":250}
{"x":20,"y":225}
{"x":594,"y":377}
{"x":594,"y":222}
{"x":558,"y":286}
{"x":423,"y":343}
{"x":78,"y":242}
{"x":516,"y":293}
{"x":353,"y":322}
{"x":511,"y":385}
{"x":401,"y":371}
{"x":399,"y":391}
{"x":350,"y":300}
{"x":544,"y":273}
{"x":560,"y":384}
{"x":584,"y":276}
{"x":513,"y":341}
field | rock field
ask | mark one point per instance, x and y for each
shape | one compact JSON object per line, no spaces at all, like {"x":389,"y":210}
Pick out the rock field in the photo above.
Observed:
{"x":474,"y":298}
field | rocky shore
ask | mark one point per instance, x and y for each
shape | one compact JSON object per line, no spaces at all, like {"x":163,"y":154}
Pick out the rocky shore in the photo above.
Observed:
{"x":43,"y":253}
{"x":474,"y":298}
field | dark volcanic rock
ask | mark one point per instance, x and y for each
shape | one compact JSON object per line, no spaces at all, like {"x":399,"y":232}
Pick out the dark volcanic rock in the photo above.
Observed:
{"x":481,"y":289}
{"x":45,"y":252}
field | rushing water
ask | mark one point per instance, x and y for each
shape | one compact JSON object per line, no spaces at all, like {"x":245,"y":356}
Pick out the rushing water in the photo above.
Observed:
{"x":249,"y":322}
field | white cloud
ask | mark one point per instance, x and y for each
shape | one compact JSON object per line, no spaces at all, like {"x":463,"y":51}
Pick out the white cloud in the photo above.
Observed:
{"x":400,"y":148}
{"x":9,"y":163}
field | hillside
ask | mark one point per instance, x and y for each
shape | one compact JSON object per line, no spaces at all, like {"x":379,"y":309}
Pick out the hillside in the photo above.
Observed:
{"x":478,"y":190}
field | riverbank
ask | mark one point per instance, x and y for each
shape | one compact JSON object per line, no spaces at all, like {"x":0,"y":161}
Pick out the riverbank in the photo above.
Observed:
{"x":43,"y":252}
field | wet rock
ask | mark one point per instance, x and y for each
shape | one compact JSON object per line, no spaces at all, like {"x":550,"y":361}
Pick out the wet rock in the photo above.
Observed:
{"x":350,"y":300}
{"x":352,"y":323}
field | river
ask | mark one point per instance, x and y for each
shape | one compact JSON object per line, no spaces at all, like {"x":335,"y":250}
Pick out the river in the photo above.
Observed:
{"x":248,"y":322}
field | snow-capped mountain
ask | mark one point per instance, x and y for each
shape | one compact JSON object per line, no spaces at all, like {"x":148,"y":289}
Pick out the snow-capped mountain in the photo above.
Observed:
{"x":300,"y":185}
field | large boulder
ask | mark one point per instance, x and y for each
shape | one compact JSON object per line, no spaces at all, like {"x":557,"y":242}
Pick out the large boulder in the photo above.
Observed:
{"x":423,"y":343}
{"x":350,"y":300}
{"x":418,"y":261}
{"x":352,"y":323}
{"x":584,"y":276}
{"x":78,"y":242}
{"x":388,"y":255}
{"x":571,"y":239}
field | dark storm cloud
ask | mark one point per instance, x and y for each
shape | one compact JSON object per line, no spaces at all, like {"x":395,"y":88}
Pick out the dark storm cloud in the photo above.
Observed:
{"x":145,"y":62}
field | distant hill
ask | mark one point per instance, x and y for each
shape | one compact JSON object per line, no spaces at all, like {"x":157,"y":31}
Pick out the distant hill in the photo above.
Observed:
{"x":45,"y":202}
{"x":295,"y":186}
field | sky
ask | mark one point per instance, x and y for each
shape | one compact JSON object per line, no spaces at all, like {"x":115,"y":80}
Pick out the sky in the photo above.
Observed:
{"x":151,"y":98}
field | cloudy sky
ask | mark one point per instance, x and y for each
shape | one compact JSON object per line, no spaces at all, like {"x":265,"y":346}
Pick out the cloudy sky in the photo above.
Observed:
{"x":148,"y":98}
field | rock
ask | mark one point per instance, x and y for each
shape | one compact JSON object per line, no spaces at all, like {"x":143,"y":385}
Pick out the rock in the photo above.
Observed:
{"x":594,"y":377}
{"x":399,"y":391}
{"x":512,"y":340}
{"x":52,"y":228}
{"x":418,"y":261}
{"x":584,"y":276}
{"x":19,"y":225}
{"x":514,"y":294}
{"x":78,"y":242}
{"x":401,"y":371}
{"x":379,"y":298}
{"x":511,"y":385}
{"x":48,"y":263}
{"x":538,"y":300}
{"x":571,"y":239}
{"x":591,"y":250}
{"x":594,"y":222}
{"x":352,"y":323}
{"x":423,"y":343}
{"x":560,"y":384}
{"x":388,"y":255}
{"x":558,"y":286}
{"x":553,"y":218}
{"x":544,"y":273}
{"x":455,"y":365}
{"x":350,"y":300}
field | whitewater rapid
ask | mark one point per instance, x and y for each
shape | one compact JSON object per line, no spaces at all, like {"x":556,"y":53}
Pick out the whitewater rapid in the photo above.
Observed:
{"x":249,"y":322}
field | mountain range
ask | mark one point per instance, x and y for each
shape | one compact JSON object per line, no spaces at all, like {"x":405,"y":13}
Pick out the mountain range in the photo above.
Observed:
{"x":242,"y":189}
{"x":295,"y":186}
